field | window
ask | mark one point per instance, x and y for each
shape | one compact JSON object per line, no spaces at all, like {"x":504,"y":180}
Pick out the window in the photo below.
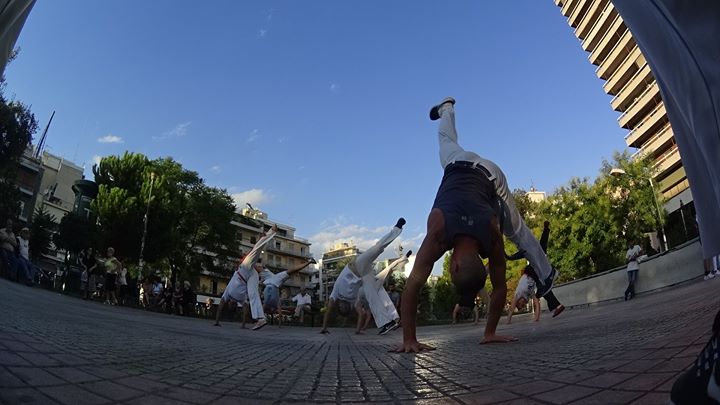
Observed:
{"x":277,"y":245}
{"x":253,"y":240}
{"x":302,"y":250}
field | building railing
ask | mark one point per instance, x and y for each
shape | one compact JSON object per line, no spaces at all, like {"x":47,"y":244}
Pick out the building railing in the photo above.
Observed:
{"x":607,"y":9}
{"x":644,"y":121}
{"x":608,"y":32}
{"x":618,"y":69}
{"x":650,"y":141}
{"x":647,"y":89}
{"x":626,"y":85}
{"x":590,"y":8}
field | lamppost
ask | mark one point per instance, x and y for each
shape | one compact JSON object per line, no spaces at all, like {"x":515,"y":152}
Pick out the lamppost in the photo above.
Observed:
{"x":617,"y":172}
{"x":141,"y":262}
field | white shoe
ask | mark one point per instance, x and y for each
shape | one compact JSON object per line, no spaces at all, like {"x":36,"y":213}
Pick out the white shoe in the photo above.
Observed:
{"x":716,"y":272}
{"x":259,"y":324}
{"x":709,"y":276}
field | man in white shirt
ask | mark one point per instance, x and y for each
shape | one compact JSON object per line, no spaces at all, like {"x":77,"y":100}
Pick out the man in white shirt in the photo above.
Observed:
{"x":8,"y":243}
{"x":359,"y":274}
{"x":302,"y":304}
{"x":633,"y":254}
{"x":25,"y":267}
{"x":245,"y":283}
{"x":273,"y":282}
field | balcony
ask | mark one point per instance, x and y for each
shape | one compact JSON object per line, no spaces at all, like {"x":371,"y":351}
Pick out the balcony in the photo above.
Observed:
{"x":619,"y":78}
{"x":617,"y":55}
{"x":668,"y":161}
{"x":568,"y":6}
{"x":608,"y":41}
{"x":649,"y":98}
{"x":657,"y":144}
{"x":577,"y":12}
{"x":632,"y":89}
{"x":674,"y":183}
{"x":588,"y":20}
{"x":652,"y":123}
{"x":602,"y":24}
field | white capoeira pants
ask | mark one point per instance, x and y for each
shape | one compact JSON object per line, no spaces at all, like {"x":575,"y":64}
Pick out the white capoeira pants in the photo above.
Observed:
{"x":679,"y":40}
{"x":377,"y":298}
{"x":514,"y":226}
{"x":245,"y":287}
{"x":372,"y":285}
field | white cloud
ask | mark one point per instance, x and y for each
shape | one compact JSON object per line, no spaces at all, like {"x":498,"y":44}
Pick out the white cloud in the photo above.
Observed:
{"x":282,"y":139}
{"x":215,"y":169}
{"x":179,"y":130}
{"x":254,"y":135}
{"x":261,"y":33}
{"x":334,"y":87}
{"x":110,"y":139}
{"x":253,"y":196}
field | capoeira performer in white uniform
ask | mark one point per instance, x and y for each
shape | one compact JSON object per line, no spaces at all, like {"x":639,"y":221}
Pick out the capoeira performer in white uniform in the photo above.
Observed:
{"x":360,"y":274}
{"x":273,"y":282}
{"x":245,"y":283}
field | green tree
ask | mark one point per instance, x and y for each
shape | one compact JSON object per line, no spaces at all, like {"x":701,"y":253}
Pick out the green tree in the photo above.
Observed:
{"x":593,"y":222}
{"x":17,"y":126}
{"x":189,"y":225}
{"x":41,"y":231}
{"x":445,"y":296}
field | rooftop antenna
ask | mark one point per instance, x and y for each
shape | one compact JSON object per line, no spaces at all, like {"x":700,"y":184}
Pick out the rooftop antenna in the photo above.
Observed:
{"x":41,"y":143}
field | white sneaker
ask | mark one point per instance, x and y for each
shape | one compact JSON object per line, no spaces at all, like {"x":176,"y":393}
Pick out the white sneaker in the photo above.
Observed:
{"x":716,"y":272}
{"x":709,"y":276}
{"x":259,"y":324}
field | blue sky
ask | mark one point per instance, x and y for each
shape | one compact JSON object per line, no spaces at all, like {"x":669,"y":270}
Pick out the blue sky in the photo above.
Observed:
{"x":316,"y":111}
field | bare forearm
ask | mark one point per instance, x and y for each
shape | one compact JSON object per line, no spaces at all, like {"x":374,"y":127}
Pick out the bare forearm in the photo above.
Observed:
{"x":497,"y":300}
{"x":408,"y":309}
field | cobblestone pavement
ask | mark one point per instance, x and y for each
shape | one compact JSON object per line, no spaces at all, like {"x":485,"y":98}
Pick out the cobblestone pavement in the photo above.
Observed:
{"x":59,"y":349}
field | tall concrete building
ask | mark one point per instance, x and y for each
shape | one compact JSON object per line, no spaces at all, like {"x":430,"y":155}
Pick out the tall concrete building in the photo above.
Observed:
{"x":635,"y":93}
{"x":57,"y":195}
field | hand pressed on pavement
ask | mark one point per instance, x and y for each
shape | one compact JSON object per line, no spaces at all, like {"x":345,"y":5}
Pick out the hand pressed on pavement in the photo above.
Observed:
{"x":412,"y":347}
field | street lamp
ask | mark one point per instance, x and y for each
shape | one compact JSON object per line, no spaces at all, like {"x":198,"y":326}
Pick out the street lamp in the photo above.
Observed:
{"x":617,"y":172}
{"x":141,"y":262}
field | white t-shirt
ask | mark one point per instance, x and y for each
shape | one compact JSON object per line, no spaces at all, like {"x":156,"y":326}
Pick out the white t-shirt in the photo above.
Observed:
{"x":346,"y":286}
{"x":276,"y":280}
{"x":632,"y":255}
{"x":302,"y":299}
{"x":525,"y":287}
{"x":24,"y":246}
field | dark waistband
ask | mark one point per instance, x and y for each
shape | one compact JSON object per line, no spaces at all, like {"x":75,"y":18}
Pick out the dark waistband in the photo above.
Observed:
{"x":471,"y":165}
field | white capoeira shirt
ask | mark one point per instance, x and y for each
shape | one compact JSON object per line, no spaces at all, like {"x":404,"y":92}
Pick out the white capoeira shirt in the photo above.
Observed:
{"x":236,"y":289}
{"x":347,"y":286}
{"x":525,"y":287}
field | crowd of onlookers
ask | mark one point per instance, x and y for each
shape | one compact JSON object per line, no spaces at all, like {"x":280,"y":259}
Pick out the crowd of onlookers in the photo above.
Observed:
{"x":15,"y":254}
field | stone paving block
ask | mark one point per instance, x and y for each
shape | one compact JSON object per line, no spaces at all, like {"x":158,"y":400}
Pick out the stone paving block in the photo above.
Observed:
{"x":142,"y":384}
{"x":17,"y":347}
{"x":606,"y":380}
{"x":196,"y":397}
{"x":232,"y":400}
{"x":533,"y":387}
{"x":35,"y":376}
{"x":72,"y":374}
{"x":40,"y":359}
{"x":653,"y":398}
{"x":7,"y":379}
{"x":486,"y":397}
{"x":610,"y":397}
{"x":645,"y":382}
{"x":156,"y":400}
{"x":566,"y":394}
{"x":72,"y":395}
{"x":11,"y":359}
{"x":25,"y":396}
{"x":111,"y":390}
{"x":639,"y":366}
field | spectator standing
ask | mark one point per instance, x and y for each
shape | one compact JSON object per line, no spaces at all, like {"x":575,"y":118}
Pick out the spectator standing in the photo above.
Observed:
{"x":122,"y":287}
{"x":112,"y":265}
{"x":633,"y":254}
{"x":8,"y":244}
{"x":177,"y":299}
{"x":303,"y":304}
{"x":89,"y":263}
{"x":25,"y":267}
{"x":189,"y":299}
